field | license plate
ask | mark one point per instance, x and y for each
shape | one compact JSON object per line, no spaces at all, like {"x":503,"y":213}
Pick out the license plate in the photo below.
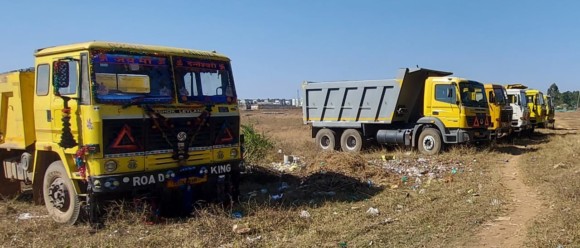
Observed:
{"x":183,"y":181}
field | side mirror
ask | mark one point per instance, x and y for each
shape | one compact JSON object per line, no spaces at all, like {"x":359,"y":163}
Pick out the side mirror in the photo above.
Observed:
{"x":491,"y":97}
{"x":60,"y":77}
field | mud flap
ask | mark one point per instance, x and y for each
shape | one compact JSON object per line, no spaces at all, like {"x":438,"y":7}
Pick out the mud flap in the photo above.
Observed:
{"x":9,"y":188}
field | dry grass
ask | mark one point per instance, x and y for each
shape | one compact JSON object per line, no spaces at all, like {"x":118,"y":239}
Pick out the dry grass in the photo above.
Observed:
{"x":336,"y":189}
{"x":555,"y":171}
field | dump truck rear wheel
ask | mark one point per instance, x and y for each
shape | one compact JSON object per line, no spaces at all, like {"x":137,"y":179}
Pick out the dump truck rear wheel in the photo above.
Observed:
{"x":60,"y":198}
{"x":351,"y":140}
{"x":430,"y":141}
{"x":326,"y":139}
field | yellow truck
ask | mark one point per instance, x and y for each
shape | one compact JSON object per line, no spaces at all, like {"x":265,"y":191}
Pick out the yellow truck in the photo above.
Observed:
{"x":536,"y":104}
{"x":537,"y":107}
{"x":421,"y":108}
{"x":500,"y":111}
{"x":101,"y":120}
{"x":550,"y":112}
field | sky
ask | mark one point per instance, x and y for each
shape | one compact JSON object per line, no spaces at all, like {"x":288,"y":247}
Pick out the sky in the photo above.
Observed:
{"x":276,"y":45}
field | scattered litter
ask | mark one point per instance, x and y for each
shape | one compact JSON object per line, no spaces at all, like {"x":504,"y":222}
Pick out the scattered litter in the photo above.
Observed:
{"x":404,"y":179}
{"x":237,"y":215}
{"x":343,"y":244}
{"x":394,"y":186}
{"x":27,"y":216}
{"x":422,"y":191}
{"x":283,"y":186}
{"x":503,"y":218}
{"x":253,"y":194}
{"x":495,"y":202}
{"x":264,"y":191}
{"x":254,"y":239}
{"x":370,"y":183}
{"x":373,"y":211}
{"x":454,"y":170}
{"x":389,"y":220}
{"x":241,"y":229}
{"x":304,"y":214}
{"x":559,"y":165}
{"x":276,"y":197}
{"x":422,"y":160}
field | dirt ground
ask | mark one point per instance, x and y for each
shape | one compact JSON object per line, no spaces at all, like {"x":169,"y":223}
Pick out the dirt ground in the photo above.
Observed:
{"x":515,"y":194}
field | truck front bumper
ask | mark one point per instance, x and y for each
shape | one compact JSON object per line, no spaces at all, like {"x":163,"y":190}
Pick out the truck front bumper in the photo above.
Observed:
{"x":168,"y":178}
{"x":470,"y":135}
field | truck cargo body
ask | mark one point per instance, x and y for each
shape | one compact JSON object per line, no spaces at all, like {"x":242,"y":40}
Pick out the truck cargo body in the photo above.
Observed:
{"x":395,"y":111}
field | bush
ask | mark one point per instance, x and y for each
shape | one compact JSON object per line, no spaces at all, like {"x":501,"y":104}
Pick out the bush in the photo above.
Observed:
{"x":256,"y":145}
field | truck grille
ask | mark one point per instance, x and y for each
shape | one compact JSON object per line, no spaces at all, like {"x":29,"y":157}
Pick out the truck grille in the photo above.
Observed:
{"x":143,"y":136}
{"x":506,"y":115}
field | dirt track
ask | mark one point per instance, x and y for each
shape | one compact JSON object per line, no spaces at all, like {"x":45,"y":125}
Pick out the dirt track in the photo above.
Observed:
{"x":510,"y":230}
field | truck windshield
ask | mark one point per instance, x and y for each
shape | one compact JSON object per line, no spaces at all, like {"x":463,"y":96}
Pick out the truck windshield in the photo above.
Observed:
{"x":203,"y":80}
{"x":472,"y":94}
{"x":500,"y":96}
{"x":541,"y":99}
{"x":126,"y":78}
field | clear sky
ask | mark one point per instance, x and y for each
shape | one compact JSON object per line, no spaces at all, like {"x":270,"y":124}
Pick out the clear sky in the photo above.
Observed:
{"x":275,"y":45}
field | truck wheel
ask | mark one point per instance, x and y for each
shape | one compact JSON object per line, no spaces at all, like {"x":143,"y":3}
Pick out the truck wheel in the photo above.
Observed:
{"x":430,"y":141}
{"x":351,"y":140}
{"x":60,"y":198}
{"x":326,"y":139}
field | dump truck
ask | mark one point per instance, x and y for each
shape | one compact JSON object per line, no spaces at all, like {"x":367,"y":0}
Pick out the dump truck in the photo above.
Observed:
{"x":550,"y":120}
{"x":98,"y":120}
{"x":421,"y":108}
{"x":536,"y":104}
{"x":521,"y":113}
{"x":500,"y":111}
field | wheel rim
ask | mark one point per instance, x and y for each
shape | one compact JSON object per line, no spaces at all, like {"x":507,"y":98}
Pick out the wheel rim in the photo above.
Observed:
{"x":325,"y":142}
{"x":351,"y":142}
{"x":58,"y":194}
{"x":429,"y":143}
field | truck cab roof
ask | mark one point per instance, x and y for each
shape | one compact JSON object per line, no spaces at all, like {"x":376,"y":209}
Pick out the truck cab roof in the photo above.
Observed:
{"x":105,"y":45}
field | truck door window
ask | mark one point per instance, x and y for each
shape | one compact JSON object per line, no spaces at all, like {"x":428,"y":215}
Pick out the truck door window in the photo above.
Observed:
{"x":42,"y":79}
{"x":73,"y":79}
{"x":442,"y":93}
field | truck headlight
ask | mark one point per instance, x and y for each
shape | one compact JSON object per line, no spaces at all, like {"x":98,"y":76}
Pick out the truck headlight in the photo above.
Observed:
{"x":110,"y":166}
{"x":234,"y":153}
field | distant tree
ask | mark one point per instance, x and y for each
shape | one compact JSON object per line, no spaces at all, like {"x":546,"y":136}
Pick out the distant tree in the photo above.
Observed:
{"x":554,"y":92}
{"x":570,"y":98}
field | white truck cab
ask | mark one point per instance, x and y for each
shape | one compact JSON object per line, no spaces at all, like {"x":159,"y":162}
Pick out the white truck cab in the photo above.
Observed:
{"x":521,"y":112}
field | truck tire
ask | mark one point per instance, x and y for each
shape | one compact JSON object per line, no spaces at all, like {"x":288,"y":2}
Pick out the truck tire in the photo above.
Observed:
{"x":430,"y":142}
{"x":326,"y":139}
{"x":60,"y":197}
{"x":351,"y":140}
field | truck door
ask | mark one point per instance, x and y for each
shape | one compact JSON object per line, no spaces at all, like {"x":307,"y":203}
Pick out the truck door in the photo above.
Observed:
{"x":445,"y":105}
{"x":62,"y":129}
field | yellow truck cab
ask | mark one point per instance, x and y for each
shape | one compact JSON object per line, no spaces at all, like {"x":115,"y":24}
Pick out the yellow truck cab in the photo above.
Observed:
{"x":500,"y":110}
{"x":550,"y":112}
{"x":420,"y":108}
{"x":101,"y":120}
{"x":537,"y":107}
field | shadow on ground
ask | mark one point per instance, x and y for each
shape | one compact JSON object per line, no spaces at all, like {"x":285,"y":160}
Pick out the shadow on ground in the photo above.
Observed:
{"x":266,"y":186}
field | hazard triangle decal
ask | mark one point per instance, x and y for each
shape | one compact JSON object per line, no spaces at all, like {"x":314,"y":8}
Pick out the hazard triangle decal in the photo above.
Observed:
{"x":125,"y":140}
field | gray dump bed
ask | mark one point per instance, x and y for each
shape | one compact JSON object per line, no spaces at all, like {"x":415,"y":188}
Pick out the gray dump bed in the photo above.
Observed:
{"x":350,"y":103}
